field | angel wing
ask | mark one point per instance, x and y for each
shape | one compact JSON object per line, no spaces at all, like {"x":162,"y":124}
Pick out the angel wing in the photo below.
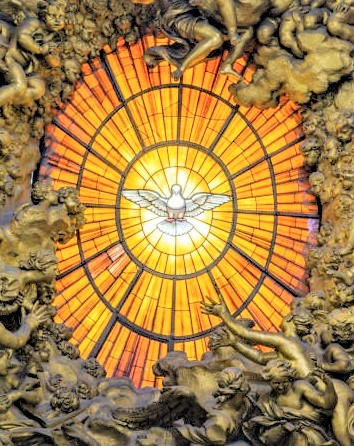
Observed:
{"x":147,"y":199}
{"x":201,"y":202}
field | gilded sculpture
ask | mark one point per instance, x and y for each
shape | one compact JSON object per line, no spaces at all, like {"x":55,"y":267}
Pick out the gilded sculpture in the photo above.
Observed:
{"x":291,"y":412}
{"x":299,"y":392}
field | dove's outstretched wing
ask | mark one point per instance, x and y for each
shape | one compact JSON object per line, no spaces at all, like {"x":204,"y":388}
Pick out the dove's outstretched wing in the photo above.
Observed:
{"x":147,"y":199}
{"x":199,"y":203}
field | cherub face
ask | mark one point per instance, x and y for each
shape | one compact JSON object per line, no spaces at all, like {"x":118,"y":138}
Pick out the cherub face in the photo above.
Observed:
{"x":342,"y":332}
{"x":89,"y":30}
{"x":280,"y":385}
{"x":4,"y":362}
{"x":55,"y":18}
{"x":72,"y":70}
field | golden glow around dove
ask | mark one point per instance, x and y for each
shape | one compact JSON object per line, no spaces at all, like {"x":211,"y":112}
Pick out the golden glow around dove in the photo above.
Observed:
{"x":195,"y":171}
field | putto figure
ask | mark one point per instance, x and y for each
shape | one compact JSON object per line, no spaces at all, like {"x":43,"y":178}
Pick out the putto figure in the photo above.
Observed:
{"x":294,"y":410}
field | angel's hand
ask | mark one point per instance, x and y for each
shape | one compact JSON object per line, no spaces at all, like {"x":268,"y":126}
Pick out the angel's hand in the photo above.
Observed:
{"x":214,"y":308}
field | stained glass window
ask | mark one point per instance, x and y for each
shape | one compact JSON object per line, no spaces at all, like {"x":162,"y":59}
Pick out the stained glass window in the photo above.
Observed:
{"x":132,"y":291}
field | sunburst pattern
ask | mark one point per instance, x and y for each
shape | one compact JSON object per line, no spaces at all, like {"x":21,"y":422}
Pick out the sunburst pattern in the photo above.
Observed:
{"x":130,"y":292}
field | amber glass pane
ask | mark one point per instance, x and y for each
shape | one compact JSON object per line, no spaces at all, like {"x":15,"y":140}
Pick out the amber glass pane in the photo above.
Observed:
{"x":132,"y":291}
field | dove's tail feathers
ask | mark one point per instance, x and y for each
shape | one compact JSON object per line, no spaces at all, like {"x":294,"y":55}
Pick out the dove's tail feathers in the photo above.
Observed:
{"x":175,"y":228}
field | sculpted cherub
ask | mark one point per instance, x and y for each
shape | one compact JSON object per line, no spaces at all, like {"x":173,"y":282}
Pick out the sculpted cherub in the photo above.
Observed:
{"x":336,"y":354}
{"x":325,"y":234}
{"x":290,"y":349}
{"x":197,"y":37}
{"x":337,"y":294}
{"x":14,"y":423}
{"x":22,"y":86}
{"x":341,"y":20}
{"x":94,"y":7}
{"x":329,"y":260}
{"x":19,"y":88}
{"x":314,"y":125}
{"x":345,"y":172}
{"x":344,"y":236}
{"x":331,"y":149}
{"x":223,"y":423}
{"x":343,"y":207}
{"x":62,"y":210}
{"x":124,"y":26}
{"x":294,"y":411}
{"x":51,"y":19}
{"x":303,"y":15}
{"x":311,"y":148}
{"x":72,"y":70}
{"x":299,"y":322}
{"x":18,"y":283}
{"x":344,"y":273}
{"x":344,"y":122}
{"x":11,"y":376}
{"x":29,"y":323}
{"x":321,"y":187}
{"x":317,"y":303}
{"x":40,"y":266}
{"x":43,"y":193}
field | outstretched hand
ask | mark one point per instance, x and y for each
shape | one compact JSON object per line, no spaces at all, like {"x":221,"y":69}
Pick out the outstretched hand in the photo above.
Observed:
{"x":214,"y":308}
{"x":223,"y":338}
{"x":38,"y":315}
{"x":316,"y":374}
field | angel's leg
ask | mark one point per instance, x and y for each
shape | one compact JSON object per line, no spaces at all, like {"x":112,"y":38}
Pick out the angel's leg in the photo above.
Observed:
{"x":17,"y":85}
{"x":209,"y":39}
{"x":236,"y":52}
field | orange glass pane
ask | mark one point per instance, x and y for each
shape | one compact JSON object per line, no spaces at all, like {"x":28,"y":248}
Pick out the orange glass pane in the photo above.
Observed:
{"x":132,"y":289}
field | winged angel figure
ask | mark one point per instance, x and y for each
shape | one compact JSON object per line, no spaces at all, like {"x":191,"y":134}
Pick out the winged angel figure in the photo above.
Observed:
{"x":175,"y":207}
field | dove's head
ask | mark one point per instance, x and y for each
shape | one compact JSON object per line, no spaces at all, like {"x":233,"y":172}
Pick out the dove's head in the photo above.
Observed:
{"x":176,"y":189}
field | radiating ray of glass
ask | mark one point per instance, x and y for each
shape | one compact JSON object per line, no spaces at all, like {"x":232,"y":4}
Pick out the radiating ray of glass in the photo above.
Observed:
{"x":194,"y":349}
{"x":132,"y":293}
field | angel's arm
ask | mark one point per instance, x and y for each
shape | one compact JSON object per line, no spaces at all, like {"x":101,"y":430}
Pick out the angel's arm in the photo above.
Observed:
{"x":274,"y":340}
{"x":25,"y":36}
{"x":254,"y":354}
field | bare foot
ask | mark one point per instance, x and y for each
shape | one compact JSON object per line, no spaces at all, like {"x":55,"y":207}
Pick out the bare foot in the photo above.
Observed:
{"x":150,"y":61}
{"x":177,"y":74}
{"x":226,"y":68}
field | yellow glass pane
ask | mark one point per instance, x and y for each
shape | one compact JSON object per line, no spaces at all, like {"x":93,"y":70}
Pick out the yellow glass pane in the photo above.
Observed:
{"x":122,"y":130}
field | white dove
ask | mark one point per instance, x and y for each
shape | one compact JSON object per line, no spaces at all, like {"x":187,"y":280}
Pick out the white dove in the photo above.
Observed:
{"x":175,"y":207}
